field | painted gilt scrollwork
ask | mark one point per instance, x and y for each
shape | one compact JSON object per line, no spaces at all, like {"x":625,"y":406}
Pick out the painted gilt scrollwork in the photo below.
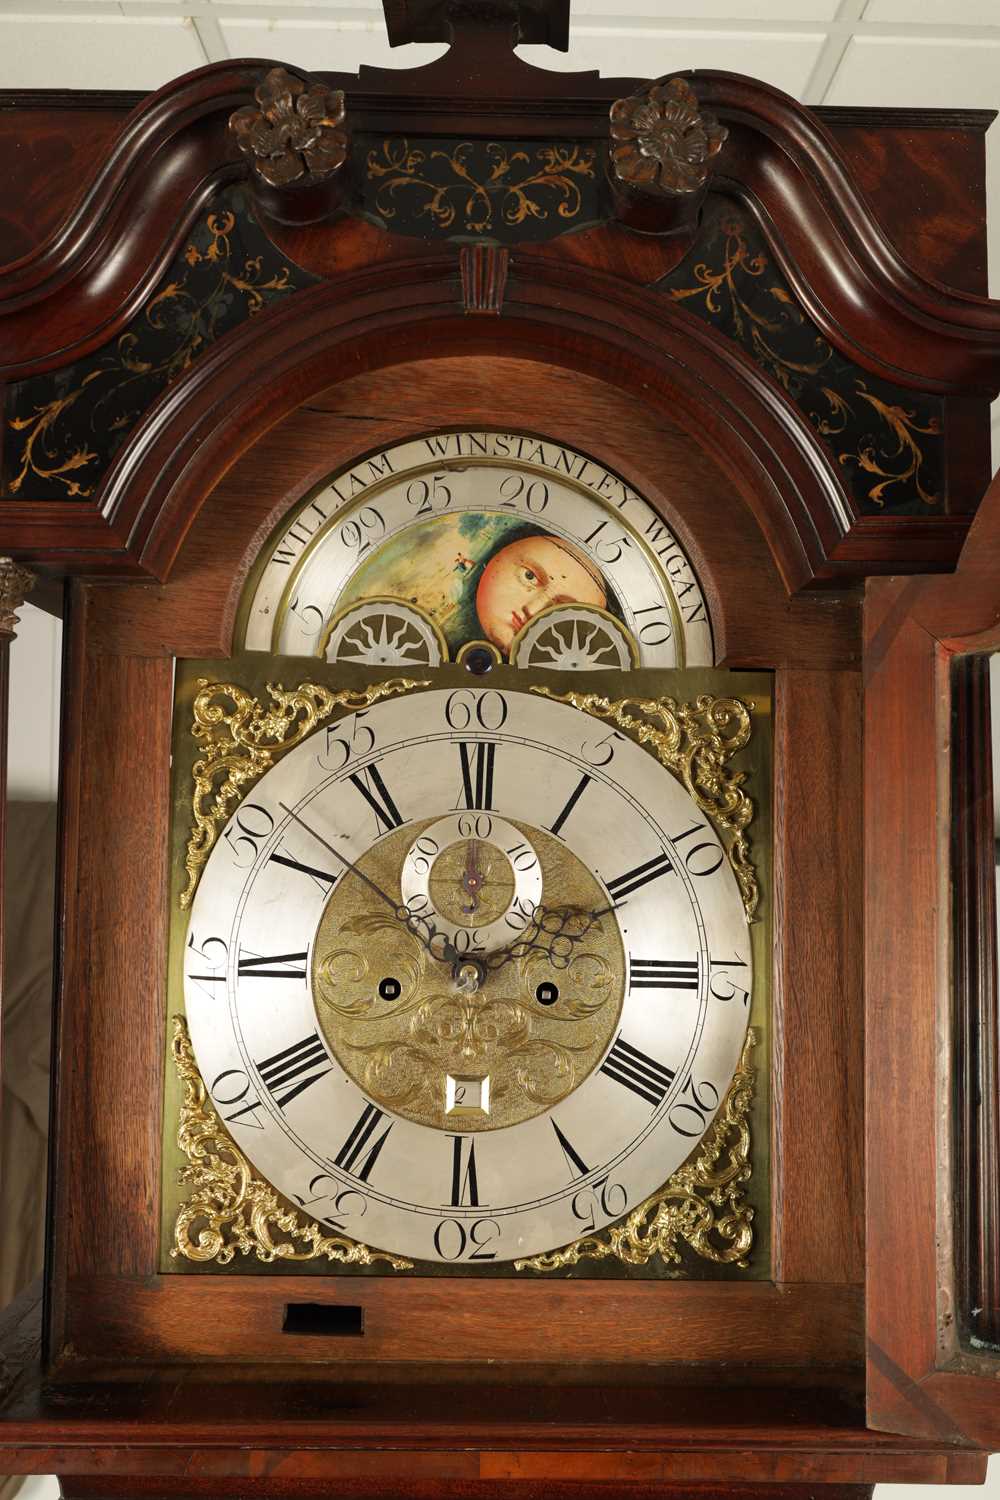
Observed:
{"x":508,"y":190}
{"x":887,"y":440}
{"x":241,"y":739}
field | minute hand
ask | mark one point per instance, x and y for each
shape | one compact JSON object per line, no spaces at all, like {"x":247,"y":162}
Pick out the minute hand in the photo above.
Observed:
{"x":423,"y":930}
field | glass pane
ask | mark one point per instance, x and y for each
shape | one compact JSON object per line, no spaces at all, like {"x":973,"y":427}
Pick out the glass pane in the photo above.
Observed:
{"x":976,"y":1099}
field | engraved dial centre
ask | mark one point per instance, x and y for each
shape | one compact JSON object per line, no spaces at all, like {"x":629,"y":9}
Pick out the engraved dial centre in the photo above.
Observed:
{"x":418,"y":1043}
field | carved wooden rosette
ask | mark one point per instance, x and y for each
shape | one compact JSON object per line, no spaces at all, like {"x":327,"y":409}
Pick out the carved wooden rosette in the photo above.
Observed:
{"x":662,"y":151}
{"x":296,"y":141}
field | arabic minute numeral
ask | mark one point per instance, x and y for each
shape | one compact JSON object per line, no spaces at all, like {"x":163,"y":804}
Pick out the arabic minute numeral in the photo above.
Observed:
{"x":603,"y":1196}
{"x":251,"y":825}
{"x":734,"y":990}
{"x":344,"y":1203}
{"x":691,"y":1114}
{"x":466,"y":707}
{"x":453,"y":1241}
{"x":600,"y":752}
{"x":699,"y":859}
{"x":212,"y":955}
{"x":233,"y":1087}
{"x":354,"y":740}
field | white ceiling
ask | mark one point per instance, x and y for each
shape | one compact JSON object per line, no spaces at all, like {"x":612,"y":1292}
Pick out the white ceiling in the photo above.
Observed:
{"x":940,"y":53}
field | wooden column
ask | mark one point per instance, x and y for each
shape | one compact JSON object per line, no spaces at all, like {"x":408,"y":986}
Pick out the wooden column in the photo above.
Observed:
{"x":16,"y":583}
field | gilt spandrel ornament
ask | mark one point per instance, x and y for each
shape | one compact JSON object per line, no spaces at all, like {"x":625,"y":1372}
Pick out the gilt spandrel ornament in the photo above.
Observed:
{"x":231,"y":1212}
{"x":241,"y":739}
{"x":703,"y":1206}
{"x":695,"y":741}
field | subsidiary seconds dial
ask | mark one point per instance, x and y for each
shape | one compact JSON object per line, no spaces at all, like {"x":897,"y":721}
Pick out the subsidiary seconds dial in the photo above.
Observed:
{"x":529,"y":1080}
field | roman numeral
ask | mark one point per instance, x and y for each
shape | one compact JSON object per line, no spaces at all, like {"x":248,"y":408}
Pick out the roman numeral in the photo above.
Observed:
{"x":252,"y":966}
{"x":663,"y":974}
{"x":322,"y":878}
{"x":375,"y":792}
{"x":477,"y":775}
{"x":289,"y":1072}
{"x":628,"y":1066}
{"x":577,"y":1166}
{"x":625,"y":884}
{"x":574,"y":798}
{"x":359,"y":1146}
{"x":464,"y":1186}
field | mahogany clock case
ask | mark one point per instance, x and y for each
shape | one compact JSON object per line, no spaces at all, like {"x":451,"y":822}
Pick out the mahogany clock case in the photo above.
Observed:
{"x":109,"y":1301}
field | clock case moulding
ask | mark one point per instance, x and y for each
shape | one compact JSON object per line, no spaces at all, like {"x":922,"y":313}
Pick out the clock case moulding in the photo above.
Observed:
{"x":743,"y":1385}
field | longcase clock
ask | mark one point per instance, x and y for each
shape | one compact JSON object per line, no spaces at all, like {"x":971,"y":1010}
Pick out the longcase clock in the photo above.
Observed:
{"x":527,"y":998}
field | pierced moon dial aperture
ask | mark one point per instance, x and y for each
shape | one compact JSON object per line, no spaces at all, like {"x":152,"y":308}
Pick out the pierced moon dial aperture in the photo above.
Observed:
{"x":345,"y":1057}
